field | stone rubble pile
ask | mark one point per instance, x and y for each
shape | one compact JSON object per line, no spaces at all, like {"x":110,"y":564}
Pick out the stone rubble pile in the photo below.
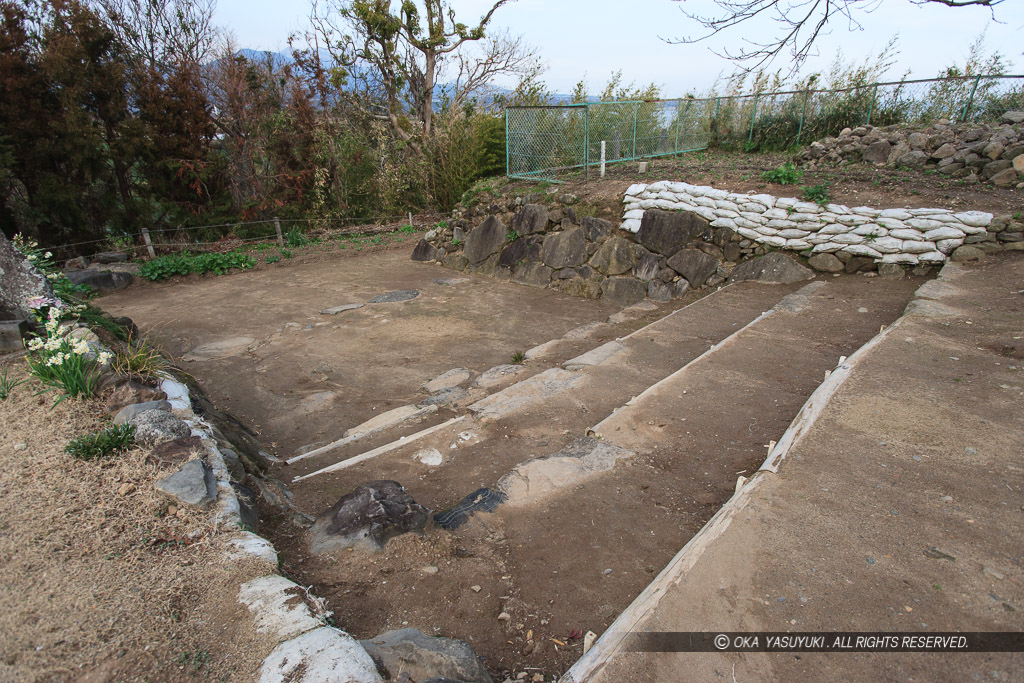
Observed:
{"x":976,"y":153}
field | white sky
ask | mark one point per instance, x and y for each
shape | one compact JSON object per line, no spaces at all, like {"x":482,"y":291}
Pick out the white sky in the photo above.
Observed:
{"x":592,"y":38}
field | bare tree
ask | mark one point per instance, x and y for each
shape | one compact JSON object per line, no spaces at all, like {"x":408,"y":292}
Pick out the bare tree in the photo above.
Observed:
{"x":162,"y":33}
{"x":391,"y":61}
{"x":800,"y":22}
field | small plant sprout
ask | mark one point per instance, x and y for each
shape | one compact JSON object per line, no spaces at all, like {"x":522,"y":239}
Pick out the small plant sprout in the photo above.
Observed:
{"x":518,"y":358}
{"x":787,"y":174}
{"x":102,"y":444}
{"x":817,"y":194}
{"x":8,"y":384}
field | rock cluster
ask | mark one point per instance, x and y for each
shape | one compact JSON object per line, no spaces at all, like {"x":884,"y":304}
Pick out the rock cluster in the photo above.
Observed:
{"x":986,"y":153}
{"x":898,"y":236}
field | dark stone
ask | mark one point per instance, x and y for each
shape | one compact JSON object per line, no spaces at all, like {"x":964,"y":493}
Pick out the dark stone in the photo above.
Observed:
{"x":481,"y":500}
{"x":408,"y":651}
{"x":530,"y":219}
{"x":485,"y":240}
{"x":532,"y":273}
{"x":395,"y":297}
{"x":647,"y":267}
{"x":101,"y":281}
{"x":127,"y":392}
{"x":694,"y":265}
{"x":193,"y":485}
{"x":77,"y":263}
{"x":367,"y":517}
{"x":176,"y":451}
{"x":448,"y":396}
{"x":878,"y":152}
{"x":825,"y":263}
{"x":13,"y":334}
{"x":517,"y":252}
{"x":623,"y":291}
{"x":456,"y":261}
{"x":666,"y":232}
{"x":595,"y":229}
{"x":424,"y":251}
{"x":659,"y":291}
{"x":566,"y":273}
{"x":732,"y":251}
{"x":711,"y":250}
{"x":615,"y":257}
{"x":666,"y":275}
{"x":110,"y":257}
{"x":859,"y":264}
{"x":565,"y":249}
{"x":577,"y":286}
{"x":775,"y":267}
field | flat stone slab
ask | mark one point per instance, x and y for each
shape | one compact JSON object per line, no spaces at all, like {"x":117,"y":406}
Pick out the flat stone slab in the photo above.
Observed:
{"x":595,"y":356}
{"x":217,"y":350}
{"x":450,"y":281}
{"x":540,"y":477}
{"x":529,"y":392}
{"x":341,"y":309}
{"x":453,"y":378}
{"x":193,"y":485}
{"x":277,"y":606}
{"x":324,"y":654}
{"x":395,"y":297}
{"x":497,"y":375}
{"x":422,"y":657}
{"x":386,"y":420}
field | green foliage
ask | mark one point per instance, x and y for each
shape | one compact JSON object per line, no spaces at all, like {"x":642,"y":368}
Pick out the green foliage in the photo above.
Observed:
{"x":408,"y":229}
{"x":8,"y":384}
{"x":296,"y":238}
{"x":102,"y":444}
{"x":817,"y":194}
{"x":787,"y":174}
{"x":518,"y":358}
{"x":273,"y":259}
{"x":164,"y":267}
{"x":63,"y":363}
{"x":286,"y":253}
{"x":138,"y":359}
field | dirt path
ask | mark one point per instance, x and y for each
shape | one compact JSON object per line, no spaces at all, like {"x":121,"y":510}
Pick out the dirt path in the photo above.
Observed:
{"x":900,"y":511}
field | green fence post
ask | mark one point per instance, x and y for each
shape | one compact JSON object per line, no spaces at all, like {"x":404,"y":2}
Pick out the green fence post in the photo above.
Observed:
{"x":679,"y":116}
{"x":586,"y":142}
{"x":970,"y":100}
{"x":803,"y":110}
{"x":636,"y":115}
{"x":871,"y":107}
{"x":507,"y":162}
{"x":753,"y":117}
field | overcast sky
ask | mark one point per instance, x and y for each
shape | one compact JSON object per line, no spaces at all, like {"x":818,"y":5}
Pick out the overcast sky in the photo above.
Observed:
{"x":590,"y":39}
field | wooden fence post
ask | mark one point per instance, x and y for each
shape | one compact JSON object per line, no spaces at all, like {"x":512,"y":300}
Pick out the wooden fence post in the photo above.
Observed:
{"x":277,"y":227}
{"x":149,"y":243}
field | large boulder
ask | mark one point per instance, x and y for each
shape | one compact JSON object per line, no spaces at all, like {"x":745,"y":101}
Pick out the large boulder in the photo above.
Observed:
{"x":367,"y":517}
{"x":424,"y":251}
{"x":517,"y":252}
{"x":623,"y":291}
{"x":565,"y":249}
{"x":154,"y":427}
{"x":485,"y":240}
{"x":101,"y":280}
{"x":595,"y":229}
{"x":19,"y":282}
{"x":877,"y":152}
{"x":615,"y":257}
{"x":666,"y":232}
{"x":694,"y":265}
{"x":530,"y":219}
{"x":423,"y":657}
{"x":774,"y":268}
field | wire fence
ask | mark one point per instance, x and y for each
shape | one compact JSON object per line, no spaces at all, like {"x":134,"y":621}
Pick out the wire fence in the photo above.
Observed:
{"x":546,"y":140}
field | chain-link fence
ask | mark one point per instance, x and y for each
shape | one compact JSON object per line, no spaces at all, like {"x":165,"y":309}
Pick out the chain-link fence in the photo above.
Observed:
{"x":544,"y":141}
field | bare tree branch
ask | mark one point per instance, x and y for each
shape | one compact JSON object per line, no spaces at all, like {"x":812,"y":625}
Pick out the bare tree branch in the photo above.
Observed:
{"x":801,"y":22}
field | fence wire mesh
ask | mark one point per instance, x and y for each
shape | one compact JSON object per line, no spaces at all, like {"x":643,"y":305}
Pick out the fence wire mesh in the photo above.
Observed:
{"x":543,"y":141}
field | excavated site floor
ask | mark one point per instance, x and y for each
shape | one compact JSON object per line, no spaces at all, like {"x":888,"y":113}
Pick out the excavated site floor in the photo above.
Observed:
{"x":684,"y":398}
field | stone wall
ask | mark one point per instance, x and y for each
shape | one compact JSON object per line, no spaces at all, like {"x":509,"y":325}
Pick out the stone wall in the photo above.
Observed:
{"x":979,"y":153}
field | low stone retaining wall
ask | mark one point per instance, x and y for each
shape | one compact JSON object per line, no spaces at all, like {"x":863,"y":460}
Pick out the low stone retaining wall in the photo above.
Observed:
{"x":901,"y":236}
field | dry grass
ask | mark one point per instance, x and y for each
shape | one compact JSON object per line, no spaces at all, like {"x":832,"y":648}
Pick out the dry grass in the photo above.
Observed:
{"x":100,"y":581}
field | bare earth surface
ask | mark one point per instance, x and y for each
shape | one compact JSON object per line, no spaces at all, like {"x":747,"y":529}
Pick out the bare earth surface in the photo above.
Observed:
{"x":901,"y":510}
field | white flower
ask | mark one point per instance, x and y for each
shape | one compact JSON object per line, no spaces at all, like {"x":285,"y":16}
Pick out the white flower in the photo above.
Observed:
{"x":47,"y":255}
{"x":104,"y":358}
{"x":31,"y":257}
{"x":35,"y":344}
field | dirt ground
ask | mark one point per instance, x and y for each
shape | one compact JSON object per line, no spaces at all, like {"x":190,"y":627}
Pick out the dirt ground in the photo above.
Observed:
{"x":262,"y":349}
{"x":100,"y":581}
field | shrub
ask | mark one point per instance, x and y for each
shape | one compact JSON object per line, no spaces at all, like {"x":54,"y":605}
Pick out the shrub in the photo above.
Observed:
{"x":787,"y":174}
{"x":102,"y":444}
{"x":817,"y":194}
{"x":138,"y":359}
{"x":164,"y":267}
{"x":8,"y":384}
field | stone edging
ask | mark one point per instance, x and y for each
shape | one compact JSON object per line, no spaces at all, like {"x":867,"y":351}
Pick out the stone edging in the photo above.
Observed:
{"x":612,"y":641}
{"x":900,"y":236}
{"x":308,"y":648}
